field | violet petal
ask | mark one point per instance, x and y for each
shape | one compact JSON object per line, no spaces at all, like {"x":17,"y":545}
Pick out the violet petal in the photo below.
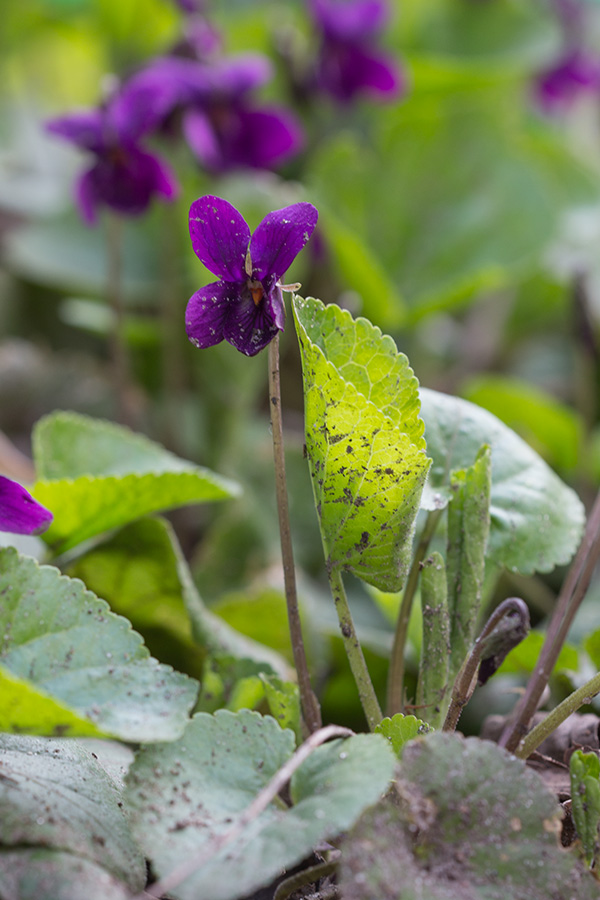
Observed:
{"x":279,"y":239}
{"x":86,"y":198}
{"x":220,"y":237}
{"x":351,"y":20}
{"x":19,"y":512}
{"x":248,"y":327}
{"x":263,"y":138}
{"x":201,"y":139}
{"x":84,"y":129}
{"x":206,"y":312}
{"x":127,"y":180}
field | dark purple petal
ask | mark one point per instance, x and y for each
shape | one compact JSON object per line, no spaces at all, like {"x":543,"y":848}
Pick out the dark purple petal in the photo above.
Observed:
{"x":220,"y":237}
{"x":349,"y":20}
{"x":84,"y":129}
{"x":279,"y":239}
{"x":346,"y":71}
{"x":126,"y":179}
{"x":250,"y":327}
{"x":202,"y":140}
{"x":260,"y":138}
{"x":19,"y":512}
{"x":559,"y":87}
{"x":143,"y":103}
{"x":206,"y":312}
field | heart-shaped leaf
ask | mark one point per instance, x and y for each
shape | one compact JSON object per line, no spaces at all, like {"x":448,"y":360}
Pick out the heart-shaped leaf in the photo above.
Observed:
{"x":182,"y":795}
{"x":60,"y":641}
{"x":95,"y":476}
{"x":364,"y":442}
{"x":472,"y":822}
{"x":536,"y":521}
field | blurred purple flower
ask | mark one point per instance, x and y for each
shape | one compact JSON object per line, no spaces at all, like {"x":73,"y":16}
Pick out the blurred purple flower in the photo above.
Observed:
{"x":246,"y":306}
{"x":124,"y":175}
{"x":349,"y":61}
{"x":224,"y":127}
{"x":558,"y":87}
{"x":19,"y":512}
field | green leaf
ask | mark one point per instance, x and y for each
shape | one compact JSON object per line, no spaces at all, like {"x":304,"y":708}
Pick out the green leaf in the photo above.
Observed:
{"x":468,"y":821}
{"x":522,"y":658}
{"x":364,"y":442}
{"x":62,"y":823}
{"x":552,"y":429}
{"x":468,"y":529}
{"x":95,"y":476}
{"x":231,"y":683}
{"x":585,"y":798}
{"x":182,"y":795}
{"x":62,"y":642}
{"x":536,"y":520}
{"x":142,"y":573}
{"x":283,"y":698}
{"x":400,"y":729}
{"x":482,"y":223}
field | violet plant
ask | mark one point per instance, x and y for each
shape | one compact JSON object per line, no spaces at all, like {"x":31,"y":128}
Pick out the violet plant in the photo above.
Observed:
{"x":420,"y":495}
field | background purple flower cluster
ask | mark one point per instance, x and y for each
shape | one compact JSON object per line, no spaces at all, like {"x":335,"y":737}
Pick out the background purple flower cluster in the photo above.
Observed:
{"x":212,"y":101}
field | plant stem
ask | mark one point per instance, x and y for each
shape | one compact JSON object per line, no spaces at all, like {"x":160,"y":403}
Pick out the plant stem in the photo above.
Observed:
{"x":308,"y":701}
{"x":569,"y":600}
{"x":395,"y":691}
{"x":301,"y":879}
{"x":568,"y":706}
{"x":366,"y":691}
{"x":465,"y":680}
{"x":118,"y":342}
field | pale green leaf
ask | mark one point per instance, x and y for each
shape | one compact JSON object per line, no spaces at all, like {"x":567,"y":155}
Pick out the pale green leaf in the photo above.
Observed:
{"x":95,"y":476}
{"x":182,"y":795}
{"x":536,"y":521}
{"x":364,"y":442}
{"x":64,"y":642}
{"x":400,"y":729}
{"x":57,"y":799}
{"x":585,"y":796}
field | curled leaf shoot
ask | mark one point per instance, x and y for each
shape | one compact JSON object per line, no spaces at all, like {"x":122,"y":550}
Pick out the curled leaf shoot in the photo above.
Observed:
{"x":466,"y":679}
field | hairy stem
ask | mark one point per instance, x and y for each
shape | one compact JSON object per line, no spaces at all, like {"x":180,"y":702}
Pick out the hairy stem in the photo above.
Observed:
{"x":569,"y":600}
{"x":395,"y":691}
{"x":309,"y":704}
{"x":465,"y":680}
{"x":118,"y":342}
{"x":366,"y":691}
{"x":558,"y":715}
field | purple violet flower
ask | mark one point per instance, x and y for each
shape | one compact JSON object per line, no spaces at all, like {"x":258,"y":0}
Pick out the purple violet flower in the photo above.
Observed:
{"x":124,"y":175}
{"x":558,"y":88}
{"x":19,"y":512}
{"x":246,"y":306}
{"x":349,"y":61}
{"x":223,"y":125}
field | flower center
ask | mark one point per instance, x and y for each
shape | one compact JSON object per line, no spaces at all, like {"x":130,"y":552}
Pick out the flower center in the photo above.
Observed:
{"x":257,"y":291}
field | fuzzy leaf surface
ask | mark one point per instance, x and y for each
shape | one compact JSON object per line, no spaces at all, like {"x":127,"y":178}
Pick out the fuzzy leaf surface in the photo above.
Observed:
{"x":95,"y":476}
{"x":473,"y":823}
{"x":182,"y":795}
{"x":364,"y":442}
{"x":62,"y":819}
{"x":64,"y":643}
{"x":536,"y":521}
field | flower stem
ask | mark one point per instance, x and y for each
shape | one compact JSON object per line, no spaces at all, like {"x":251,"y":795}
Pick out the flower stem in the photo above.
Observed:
{"x":395,"y":693}
{"x":569,"y":600}
{"x":118,"y":342}
{"x":366,"y":691}
{"x":308,"y":701}
{"x":558,"y":715}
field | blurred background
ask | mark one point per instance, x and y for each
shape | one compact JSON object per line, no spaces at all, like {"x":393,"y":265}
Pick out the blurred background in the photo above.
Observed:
{"x":452,"y":148}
